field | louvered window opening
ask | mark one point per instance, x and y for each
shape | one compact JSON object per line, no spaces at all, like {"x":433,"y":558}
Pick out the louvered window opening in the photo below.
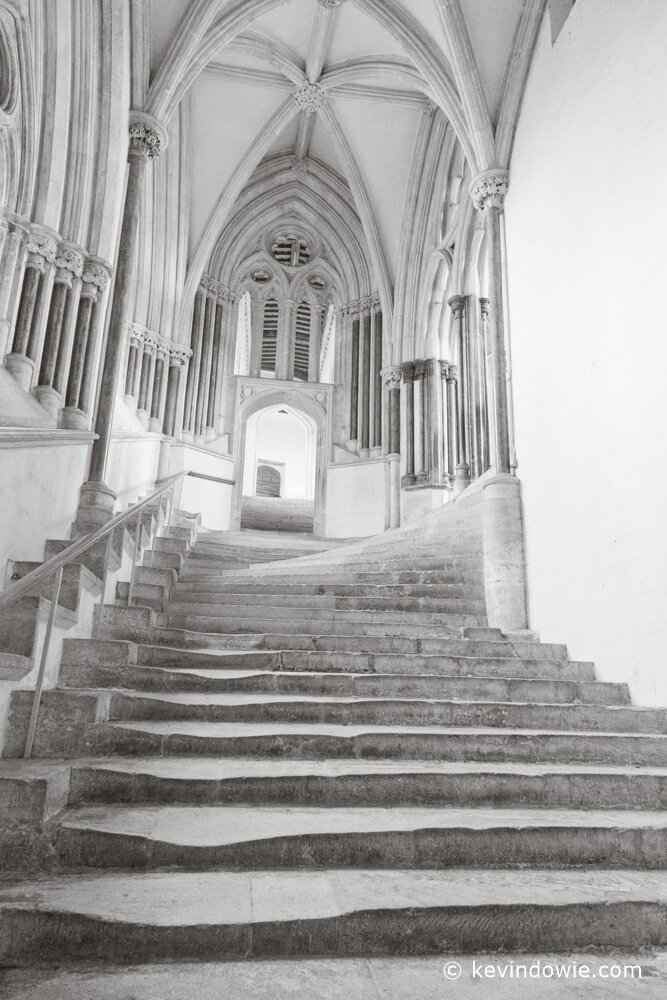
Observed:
{"x":291,"y":252}
{"x":270,"y":336}
{"x":302,"y":342}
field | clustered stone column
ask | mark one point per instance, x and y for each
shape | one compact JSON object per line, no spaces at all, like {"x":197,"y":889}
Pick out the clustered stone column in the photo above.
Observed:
{"x":488,"y":194}
{"x":391,"y":377}
{"x":14,"y":235}
{"x":151,"y":390}
{"x":203,"y":378}
{"x":55,"y":346}
{"x":365,"y":376}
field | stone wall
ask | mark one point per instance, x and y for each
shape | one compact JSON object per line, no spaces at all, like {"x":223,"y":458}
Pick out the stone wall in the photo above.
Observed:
{"x":586,"y":270}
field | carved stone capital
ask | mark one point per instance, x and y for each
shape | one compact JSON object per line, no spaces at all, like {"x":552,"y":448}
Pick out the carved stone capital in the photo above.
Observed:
{"x":484,"y":307}
{"x":424,"y":367}
{"x":311,"y":97}
{"x":392,"y":376}
{"x":375,"y":301}
{"x":96,"y":272}
{"x":452,"y":373}
{"x":457,"y":304}
{"x":299,"y":166}
{"x":488,"y":190}
{"x":42,"y":244}
{"x":444,"y":369}
{"x":71,"y":259}
{"x":408,"y":368}
{"x":147,"y":136}
{"x":331,"y":4}
{"x":429,"y":109}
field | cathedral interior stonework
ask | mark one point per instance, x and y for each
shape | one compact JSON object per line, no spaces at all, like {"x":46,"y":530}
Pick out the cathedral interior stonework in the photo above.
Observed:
{"x":332,"y":547}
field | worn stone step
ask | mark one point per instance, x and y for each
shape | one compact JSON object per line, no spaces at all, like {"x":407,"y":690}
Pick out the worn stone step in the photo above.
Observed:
{"x":290,"y":740}
{"x":313,"y":596}
{"x":220,"y":780}
{"x":202,"y":837}
{"x":139,"y":917}
{"x":357,"y":978}
{"x":237,"y":707}
{"x":268,"y":604}
{"x":314,"y":625}
{"x":155,"y":679}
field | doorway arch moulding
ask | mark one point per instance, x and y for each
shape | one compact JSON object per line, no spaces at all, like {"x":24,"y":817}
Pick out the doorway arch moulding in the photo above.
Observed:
{"x":315,"y":401}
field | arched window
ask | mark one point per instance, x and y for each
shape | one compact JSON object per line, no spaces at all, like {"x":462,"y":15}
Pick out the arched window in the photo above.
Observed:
{"x":302,"y":342}
{"x":270,"y":337}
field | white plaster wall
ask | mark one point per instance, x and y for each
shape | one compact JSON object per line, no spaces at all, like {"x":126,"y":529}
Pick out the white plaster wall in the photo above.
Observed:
{"x":585,"y":220}
{"x":39,"y":495}
{"x":132,"y":467}
{"x":212,"y":500}
{"x":355,"y":504}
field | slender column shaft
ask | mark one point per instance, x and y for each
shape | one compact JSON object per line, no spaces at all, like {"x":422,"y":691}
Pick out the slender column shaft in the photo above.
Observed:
{"x":145,"y":141}
{"x":132,"y":359}
{"x":457,"y":304}
{"x":484,"y":382}
{"x":87,"y":394}
{"x":142,"y":401}
{"x":286,"y":340}
{"x":173,"y":380}
{"x":315,"y":344}
{"x":488,"y":192}
{"x":497,"y":340}
{"x":394,"y":420}
{"x":409,"y":393}
{"x":354,"y":382}
{"x":205,"y":366}
{"x":68,"y":331}
{"x":86,"y":302}
{"x":54,"y":324}
{"x":365,"y":382}
{"x":193,"y":363}
{"x":31,"y":279}
{"x":213,"y":384}
{"x":424,"y":419}
{"x":157,"y":387}
{"x":11,"y":262}
{"x":452,"y":413}
{"x":377,"y":380}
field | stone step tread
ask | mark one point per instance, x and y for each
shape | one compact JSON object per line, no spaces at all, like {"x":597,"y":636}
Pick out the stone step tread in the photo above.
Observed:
{"x":339,"y":978}
{"x":248,"y":730}
{"x":215,"y":769}
{"x":215,"y":898}
{"x":301,"y":681}
{"x":270,"y":698}
{"x":216,"y":825}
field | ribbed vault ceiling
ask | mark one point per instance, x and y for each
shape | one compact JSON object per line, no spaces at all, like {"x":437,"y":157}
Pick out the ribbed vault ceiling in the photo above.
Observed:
{"x":377,"y":92}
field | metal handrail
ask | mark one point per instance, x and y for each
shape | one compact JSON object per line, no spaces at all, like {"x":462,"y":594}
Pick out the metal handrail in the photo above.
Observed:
{"x":57,"y":563}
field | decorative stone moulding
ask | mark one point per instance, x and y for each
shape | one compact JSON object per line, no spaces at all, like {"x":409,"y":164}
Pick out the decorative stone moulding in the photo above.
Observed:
{"x":141,"y":337}
{"x":392,"y":376}
{"x":96,"y":272}
{"x":299,"y":166}
{"x":147,"y":135}
{"x":71,"y":258}
{"x":43,"y":243}
{"x":216,"y":289}
{"x":429,"y":109}
{"x":310,"y":97}
{"x":330,"y":4}
{"x":488,"y":190}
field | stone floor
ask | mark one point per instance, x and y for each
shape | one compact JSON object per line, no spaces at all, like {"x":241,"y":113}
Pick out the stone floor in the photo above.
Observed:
{"x":363,"y":979}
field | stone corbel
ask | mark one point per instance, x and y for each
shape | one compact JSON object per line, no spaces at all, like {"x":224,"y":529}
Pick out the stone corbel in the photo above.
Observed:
{"x":489,"y":188}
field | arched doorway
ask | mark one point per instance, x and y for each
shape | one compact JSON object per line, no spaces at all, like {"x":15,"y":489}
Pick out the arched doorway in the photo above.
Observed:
{"x":285,"y":430}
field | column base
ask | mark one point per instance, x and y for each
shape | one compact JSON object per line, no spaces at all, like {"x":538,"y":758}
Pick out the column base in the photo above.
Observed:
{"x":376,"y":451}
{"x":96,"y":507}
{"x":154,"y":425}
{"x":73,"y":419}
{"x":143,"y":418}
{"x":364,"y":453}
{"x":131,"y":403}
{"x":407,"y":480}
{"x":48,"y":398}
{"x":187,"y":436}
{"x":462,"y":478}
{"x":504,"y":554}
{"x":21,"y":368}
{"x":210,"y":434}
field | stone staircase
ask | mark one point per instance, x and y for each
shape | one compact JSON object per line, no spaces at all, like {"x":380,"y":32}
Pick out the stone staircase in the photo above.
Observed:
{"x":277,"y":514}
{"x":329,"y":754}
